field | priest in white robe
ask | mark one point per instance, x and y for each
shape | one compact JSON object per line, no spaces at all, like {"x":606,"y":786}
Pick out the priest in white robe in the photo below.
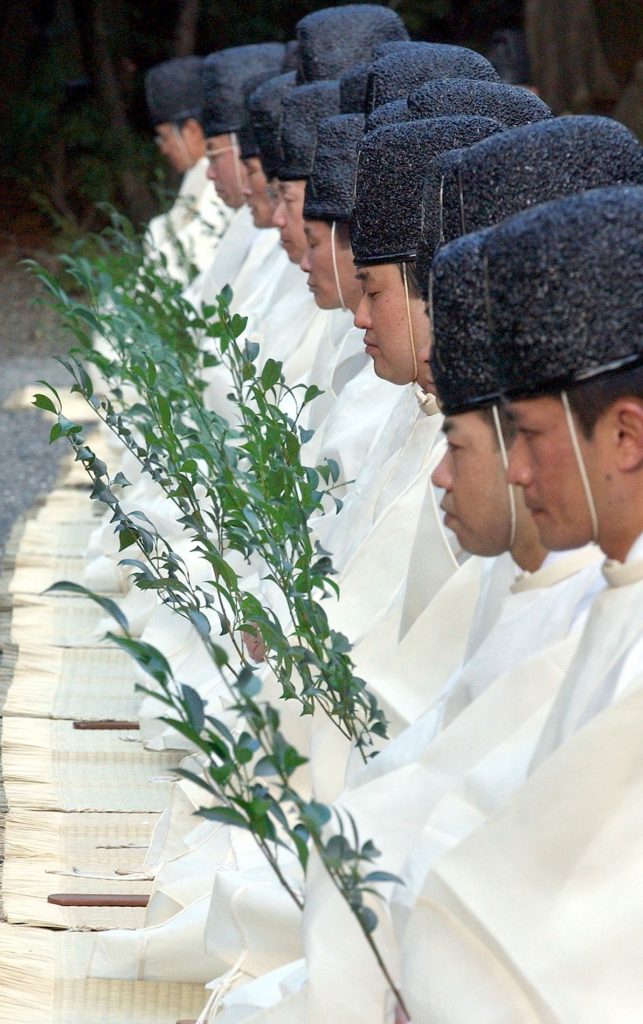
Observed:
{"x":566,"y":835}
{"x":187,"y":234}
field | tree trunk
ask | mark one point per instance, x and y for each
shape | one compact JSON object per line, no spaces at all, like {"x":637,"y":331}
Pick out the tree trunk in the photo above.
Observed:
{"x":567,"y":57}
{"x":92,"y":19}
{"x":186,"y":28}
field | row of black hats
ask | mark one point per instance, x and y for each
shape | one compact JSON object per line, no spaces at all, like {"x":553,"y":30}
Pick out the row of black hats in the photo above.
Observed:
{"x":548,"y":299}
{"x":557,"y":308}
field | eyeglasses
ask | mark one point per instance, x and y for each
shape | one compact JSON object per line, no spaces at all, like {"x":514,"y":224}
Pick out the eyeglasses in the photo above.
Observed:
{"x":213,"y":153}
{"x":164,"y":139}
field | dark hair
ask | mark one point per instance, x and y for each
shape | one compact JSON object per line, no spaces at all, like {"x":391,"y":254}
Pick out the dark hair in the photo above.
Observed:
{"x":507,"y":425}
{"x":412,"y":279}
{"x":343,"y":233}
{"x":592,"y":398}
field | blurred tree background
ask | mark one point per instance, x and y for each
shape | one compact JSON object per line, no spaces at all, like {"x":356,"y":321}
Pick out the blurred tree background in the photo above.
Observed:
{"x":73,"y":125}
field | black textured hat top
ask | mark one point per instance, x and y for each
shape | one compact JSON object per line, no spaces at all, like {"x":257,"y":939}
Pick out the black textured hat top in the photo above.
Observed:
{"x":265,"y":107}
{"x":174,"y":90}
{"x":395,"y":112}
{"x":352,"y":89}
{"x":335,"y":39}
{"x":392,"y":46}
{"x":248,"y":143}
{"x":224,"y":75}
{"x":291,"y":56}
{"x":566,"y":291}
{"x":508,"y":104}
{"x":330,"y":189}
{"x":462,"y":360}
{"x":404,"y":70}
{"x":304,"y":107}
{"x":535,"y":163}
{"x":432,"y":234}
{"x":392,"y":163}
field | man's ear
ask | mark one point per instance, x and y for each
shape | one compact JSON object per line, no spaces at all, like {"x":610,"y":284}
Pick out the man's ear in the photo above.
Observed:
{"x":193,"y":129}
{"x":626,"y":430}
{"x":423,"y":353}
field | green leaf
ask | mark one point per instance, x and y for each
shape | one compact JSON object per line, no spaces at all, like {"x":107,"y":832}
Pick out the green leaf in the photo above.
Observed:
{"x":338,"y":848}
{"x":105,"y":603}
{"x":43,"y":402}
{"x":315,"y":813}
{"x":148,"y":657}
{"x":200,"y":622}
{"x":248,"y":683}
{"x":270,"y":375}
{"x":226,"y":815}
{"x":126,"y":537}
{"x":165,"y":412}
{"x":334,"y":469}
{"x":265,"y":766}
{"x":194,"y":706}
{"x":368,"y":919}
{"x":383,"y":876}
{"x":238,"y":325}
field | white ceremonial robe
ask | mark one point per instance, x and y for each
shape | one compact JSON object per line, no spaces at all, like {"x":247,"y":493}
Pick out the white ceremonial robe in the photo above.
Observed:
{"x":163,"y":228}
{"x":379,"y":530}
{"x":351,"y":427}
{"x":335,"y":366}
{"x":188,"y":235}
{"x":228,"y":260}
{"x":199,"y":240}
{"x":536,"y":917}
{"x":609,"y":656}
{"x":396,"y":795}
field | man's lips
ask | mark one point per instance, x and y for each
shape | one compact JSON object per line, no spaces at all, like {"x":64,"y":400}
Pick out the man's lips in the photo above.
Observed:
{"x":534,"y":509}
{"x":447,"y":514}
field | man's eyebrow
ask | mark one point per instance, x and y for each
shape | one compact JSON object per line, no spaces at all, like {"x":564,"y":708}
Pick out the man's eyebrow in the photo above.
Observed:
{"x":448,"y":425}
{"x":362,"y":275}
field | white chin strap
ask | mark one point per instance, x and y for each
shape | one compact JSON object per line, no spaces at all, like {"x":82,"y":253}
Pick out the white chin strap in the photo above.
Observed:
{"x":335,"y":270}
{"x":505,"y":461}
{"x":580,"y":462}
{"x":181,"y":141}
{"x":237,"y":161}
{"x":410,"y":323}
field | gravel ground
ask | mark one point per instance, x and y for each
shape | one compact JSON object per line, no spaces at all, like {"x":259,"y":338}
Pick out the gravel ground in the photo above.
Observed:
{"x":29,"y":338}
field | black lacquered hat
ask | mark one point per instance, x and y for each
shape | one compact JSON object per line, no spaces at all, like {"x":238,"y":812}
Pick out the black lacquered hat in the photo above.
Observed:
{"x":352,"y":89}
{"x":330,"y":189}
{"x":304,"y":107}
{"x":395,"y":112}
{"x":392,"y":164}
{"x":525,"y":166}
{"x":265,"y":106}
{"x":336,"y":38}
{"x":224,"y":75}
{"x":509,"y":104}
{"x":408,"y":67}
{"x":565,"y":287}
{"x":248,"y":142}
{"x":463,"y":363}
{"x":174,"y":90}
